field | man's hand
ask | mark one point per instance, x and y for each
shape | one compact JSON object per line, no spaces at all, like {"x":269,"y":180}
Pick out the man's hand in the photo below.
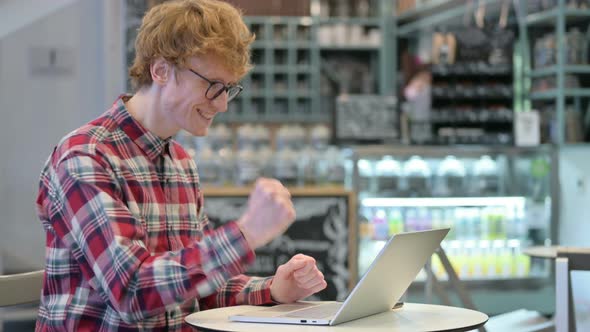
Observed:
{"x":269,"y":213}
{"x":296,"y":280}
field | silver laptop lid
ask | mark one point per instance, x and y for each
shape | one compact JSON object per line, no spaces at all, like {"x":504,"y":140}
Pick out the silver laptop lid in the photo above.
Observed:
{"x":390,"y":274}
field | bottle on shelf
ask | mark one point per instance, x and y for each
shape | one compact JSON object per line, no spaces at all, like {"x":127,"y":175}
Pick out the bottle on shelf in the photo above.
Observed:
{"x":298,"y":137}
{"x":207,"y":165}
{"x":247,"y":168}
{"x":411,"y":220}
{"x":396,"y":222}
{"x":462,"y":261}
{"x":246,"y":137}
{"x":451,"y":175}
{"x":387,"y":175}
{"x":473,"y":257}
{"x":380,"y":224}
{"x":520,"y":262}
{"x":307,"y":166}
{"x":520,"y":224}
{"x":261,"y":137}
{"x":438,"y":221}
{"x":488,"y":259}
{"x":226,"y":165}
{"x":460,"y":222}
{"x":479,"y":232}
{"x":417,"y":177}
{"x":503,"y":259}
{"x":319,"y":137}
{"x":220,"y":136}
{"x":424,"y":219}
{"x":485,"y":177}
{"x":335,"y":166}
{"x":285,"y":166}
{"x":366,"y":174}
{"x":365,"y":239}
{"x":448,"y":215}
{"x":265,"y":160}
{"x":516,"y":225}
{"x":494,"y":223}
{"x":453,"y":250}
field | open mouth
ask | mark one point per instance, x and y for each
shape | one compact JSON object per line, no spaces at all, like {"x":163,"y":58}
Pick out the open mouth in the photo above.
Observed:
{"x":204,"y":115}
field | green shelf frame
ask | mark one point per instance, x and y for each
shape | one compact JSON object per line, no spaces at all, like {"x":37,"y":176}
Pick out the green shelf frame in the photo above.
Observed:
{"x":557,"y":18}
{"x":554,"y":93}
{"x":298,"y":44}
{"x":360,"y":48}
{"x":426,"y":17}
{"x":548,"y":17}
{"x":300,"y":100}
{"x":553,"y":70}
{"x":289,"y":45}
{"x":367,"y":21}
{"x":430,"y":8}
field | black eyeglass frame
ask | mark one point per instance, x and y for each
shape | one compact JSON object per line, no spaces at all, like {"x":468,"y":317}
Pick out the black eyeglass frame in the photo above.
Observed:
{"x":223,"y":88}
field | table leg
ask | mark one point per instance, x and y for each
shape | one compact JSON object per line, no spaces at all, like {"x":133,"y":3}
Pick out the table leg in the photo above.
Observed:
{"x":565,"y":320}
{"x":456,"y":283}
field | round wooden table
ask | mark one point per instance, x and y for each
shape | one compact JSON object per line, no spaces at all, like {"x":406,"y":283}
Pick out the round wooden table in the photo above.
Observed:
{"x":541,"y":251}
{"x":411,"y":317}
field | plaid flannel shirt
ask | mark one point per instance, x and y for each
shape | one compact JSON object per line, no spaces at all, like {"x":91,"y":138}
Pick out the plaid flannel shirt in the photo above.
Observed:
{"x":128,"y":246}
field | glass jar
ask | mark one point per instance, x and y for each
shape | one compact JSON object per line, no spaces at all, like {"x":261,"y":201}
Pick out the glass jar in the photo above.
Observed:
{"x":417,"y":175}
{"x":366,"y":174}
{"x":247,"y":168}
{"x":335,"y":161}
{"x":451,"y":176}
{"x":207,"y":165}
{"x":285,"y":166}
{"x":387,"y":174}
{"x":486,"y":177}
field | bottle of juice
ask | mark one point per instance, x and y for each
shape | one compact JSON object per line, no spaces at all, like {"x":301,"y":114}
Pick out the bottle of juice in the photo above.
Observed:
{"x":411,"y":220}
{"x":396,"y":223}
{"x":379,"y":221}
{"x":449,"y":221}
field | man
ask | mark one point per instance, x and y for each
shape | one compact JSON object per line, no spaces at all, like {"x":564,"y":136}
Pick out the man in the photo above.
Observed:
{"x":128,"y":245}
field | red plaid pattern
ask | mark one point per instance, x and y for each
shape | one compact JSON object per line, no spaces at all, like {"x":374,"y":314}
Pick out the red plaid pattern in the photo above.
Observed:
{"x":128,"y":246}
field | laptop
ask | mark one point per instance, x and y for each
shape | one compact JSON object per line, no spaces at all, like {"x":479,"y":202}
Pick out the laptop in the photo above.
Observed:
{"x":388,"y":277}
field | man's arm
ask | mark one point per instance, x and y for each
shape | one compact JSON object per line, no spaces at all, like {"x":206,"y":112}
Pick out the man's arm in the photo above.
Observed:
{"x":82,"y":200}
{"x":293,"y":281}
{"x":240,"y":290}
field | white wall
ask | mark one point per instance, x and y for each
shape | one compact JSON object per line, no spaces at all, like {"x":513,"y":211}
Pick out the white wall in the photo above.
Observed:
{"x":38,"y":109}
{"x":17,"y":14}
{"x":574,"y":219}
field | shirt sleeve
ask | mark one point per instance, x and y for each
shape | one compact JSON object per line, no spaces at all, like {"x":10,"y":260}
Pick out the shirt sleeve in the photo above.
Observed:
{"x":85,"y":210}
{"x":240,"y":290}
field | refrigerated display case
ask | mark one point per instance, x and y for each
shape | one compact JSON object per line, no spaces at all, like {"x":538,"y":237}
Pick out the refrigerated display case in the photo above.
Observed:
{"x":497,"y":201}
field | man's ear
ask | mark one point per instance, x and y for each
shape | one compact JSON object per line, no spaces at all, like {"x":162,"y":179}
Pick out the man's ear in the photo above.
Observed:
{"x":161,"y":71}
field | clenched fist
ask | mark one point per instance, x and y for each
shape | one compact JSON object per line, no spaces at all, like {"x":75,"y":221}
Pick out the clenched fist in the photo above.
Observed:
{"x":296,"y":280}
{"x":268,"y":214}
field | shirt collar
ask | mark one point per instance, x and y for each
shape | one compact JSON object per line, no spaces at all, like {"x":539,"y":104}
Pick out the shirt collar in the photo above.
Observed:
{"x":151,"y":144}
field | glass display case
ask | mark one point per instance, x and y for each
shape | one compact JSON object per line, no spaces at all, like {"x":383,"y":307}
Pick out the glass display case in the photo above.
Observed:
{"x":497,"y":201}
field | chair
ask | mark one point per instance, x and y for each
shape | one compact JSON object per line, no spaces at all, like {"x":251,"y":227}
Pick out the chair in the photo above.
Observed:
{"x":567,"y":259}
{"x":17,"y":289}
{"x":20,"y":288}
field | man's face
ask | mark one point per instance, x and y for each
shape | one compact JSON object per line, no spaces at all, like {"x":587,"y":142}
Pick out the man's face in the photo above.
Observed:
{"x":184,"y":97}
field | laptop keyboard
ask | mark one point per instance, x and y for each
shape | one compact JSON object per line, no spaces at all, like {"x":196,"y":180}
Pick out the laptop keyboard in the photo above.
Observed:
{"x":290,"y":307}
{"x":318,"y":311}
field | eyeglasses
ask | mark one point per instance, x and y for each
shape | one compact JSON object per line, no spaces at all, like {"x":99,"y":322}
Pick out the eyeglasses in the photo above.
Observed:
{"x":216,"y":88}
